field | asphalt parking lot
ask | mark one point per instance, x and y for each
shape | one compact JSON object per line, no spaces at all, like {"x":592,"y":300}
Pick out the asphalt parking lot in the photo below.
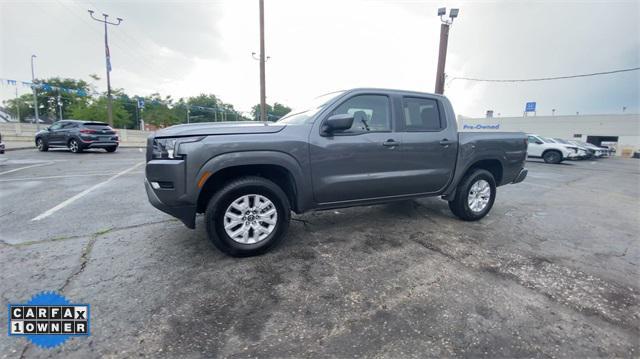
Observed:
{"x":551,"y":272}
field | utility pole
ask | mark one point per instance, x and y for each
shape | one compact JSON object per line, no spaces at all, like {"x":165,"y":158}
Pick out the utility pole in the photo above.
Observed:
{"x":59,"y":105}
{"x":187,"y":112}
{"x":18,"y":104}
{"x":444,"y":41}
{"x":35,"y":94}
{"x":108,"y":61}
{"x":263,"y":96}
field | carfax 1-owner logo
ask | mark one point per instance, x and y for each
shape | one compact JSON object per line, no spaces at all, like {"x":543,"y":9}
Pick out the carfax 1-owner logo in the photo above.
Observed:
{"x":48,"y":319}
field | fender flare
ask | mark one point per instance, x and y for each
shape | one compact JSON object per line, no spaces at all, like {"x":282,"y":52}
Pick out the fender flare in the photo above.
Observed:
{"x":460,"y":172}
{"x":268,"y":157}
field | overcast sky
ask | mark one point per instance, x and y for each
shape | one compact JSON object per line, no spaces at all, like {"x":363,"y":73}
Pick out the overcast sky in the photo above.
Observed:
{"x":183,"y":48}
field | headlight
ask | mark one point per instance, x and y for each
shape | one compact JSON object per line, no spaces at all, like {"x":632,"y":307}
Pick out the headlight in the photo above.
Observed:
{"x":167,"y":148}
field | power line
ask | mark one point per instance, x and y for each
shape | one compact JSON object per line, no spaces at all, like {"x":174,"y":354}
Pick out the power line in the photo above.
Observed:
{"x":546,"y":78}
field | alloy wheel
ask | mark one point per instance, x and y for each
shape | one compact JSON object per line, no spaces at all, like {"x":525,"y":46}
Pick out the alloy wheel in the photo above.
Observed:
{"x":73,"y":145}
{"x":479,"y":195}
{"x":250,"y":219}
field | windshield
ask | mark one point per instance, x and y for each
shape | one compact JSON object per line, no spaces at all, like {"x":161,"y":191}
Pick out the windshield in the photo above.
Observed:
{"x":304,"y":113}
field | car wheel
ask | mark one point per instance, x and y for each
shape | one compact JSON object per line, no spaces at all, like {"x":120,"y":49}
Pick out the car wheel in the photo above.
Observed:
{"x":41,"y":145}
{"x":474,"y":196}
{"x":111,"y":149}
{"x":552,"y":157}
{"x":248,"y":217}
{"x":74,"y":146}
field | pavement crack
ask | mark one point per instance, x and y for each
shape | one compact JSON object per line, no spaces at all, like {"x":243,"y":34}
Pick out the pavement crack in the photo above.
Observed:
{"x":98,"y":233}
{"x":23,"y":354}
{"x":84,"y":260}
{"x":306,"y":224}
{"x":6,"y":213}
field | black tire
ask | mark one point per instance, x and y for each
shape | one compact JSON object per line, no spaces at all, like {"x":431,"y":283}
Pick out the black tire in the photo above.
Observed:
{"x":42,"y":145}
{"x":75,"y":146}
{"x":111,"y":149}
{"x":460,"y":204}
{"x":552,"y":156}
{"x":221,"y":200}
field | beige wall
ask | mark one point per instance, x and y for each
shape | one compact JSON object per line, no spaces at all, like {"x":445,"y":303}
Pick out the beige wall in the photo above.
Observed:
{"x":25,"y":132}
{"x":626,"y":127}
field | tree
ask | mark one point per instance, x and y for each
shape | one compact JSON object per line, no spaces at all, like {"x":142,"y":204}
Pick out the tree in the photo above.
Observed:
{"x":208,"y":108}
{"x":48,"y":91}
{"x":96,"y":110}
{"x":25,"y":105}
{"x":273,"y":113}
{"x":157,"y":110}
{"x":52,"y":88}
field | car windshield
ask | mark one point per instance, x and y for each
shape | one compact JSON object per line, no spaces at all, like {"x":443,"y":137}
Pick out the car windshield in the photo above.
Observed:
{"x":559,"y":140}
{"x":304,"y":113}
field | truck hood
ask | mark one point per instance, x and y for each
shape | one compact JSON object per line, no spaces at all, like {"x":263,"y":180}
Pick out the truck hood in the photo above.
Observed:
{"x":220,"y":128}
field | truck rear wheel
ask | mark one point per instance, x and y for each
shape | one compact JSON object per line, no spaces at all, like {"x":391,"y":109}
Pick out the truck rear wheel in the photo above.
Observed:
{"x":474,"y":196}
{"x":248,"y":217}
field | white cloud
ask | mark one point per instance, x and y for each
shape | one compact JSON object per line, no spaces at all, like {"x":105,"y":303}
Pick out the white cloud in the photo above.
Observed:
{"x":187,"y":48}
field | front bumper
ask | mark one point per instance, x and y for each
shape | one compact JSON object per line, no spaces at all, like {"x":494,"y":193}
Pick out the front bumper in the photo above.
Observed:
{"x":521,"y":176}
{"x":187,"y":214}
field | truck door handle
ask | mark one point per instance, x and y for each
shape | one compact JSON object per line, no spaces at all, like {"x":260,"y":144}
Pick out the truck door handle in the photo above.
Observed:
{"x":390,"y":143}
{"x":445,"y":142}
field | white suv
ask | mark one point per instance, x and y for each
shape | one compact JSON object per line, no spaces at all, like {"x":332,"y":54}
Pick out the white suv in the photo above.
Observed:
{"x":548,"y":150}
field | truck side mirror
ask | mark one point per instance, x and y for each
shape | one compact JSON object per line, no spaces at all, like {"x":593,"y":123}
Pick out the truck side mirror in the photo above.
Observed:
{"x":539,"y":142}
{"x":335,"y":123}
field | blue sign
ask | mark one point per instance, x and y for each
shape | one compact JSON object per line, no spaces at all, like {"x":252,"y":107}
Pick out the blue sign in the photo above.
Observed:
{"x":481,"y":126}
{"x":531,"y":107}
{"x":48,"y":319}
{"x":140,"y":103}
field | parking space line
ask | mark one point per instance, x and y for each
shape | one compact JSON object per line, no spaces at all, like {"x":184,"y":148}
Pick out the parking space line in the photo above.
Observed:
{"x":62,"y":176}
{"x":25,"y":167}
{"x":83,"y":193}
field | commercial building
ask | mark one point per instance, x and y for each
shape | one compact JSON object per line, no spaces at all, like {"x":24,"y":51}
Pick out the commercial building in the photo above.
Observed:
{"x":621,"y":131}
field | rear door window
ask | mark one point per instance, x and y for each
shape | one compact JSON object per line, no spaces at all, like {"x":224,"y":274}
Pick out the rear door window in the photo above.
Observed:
{"x":421,"y":114}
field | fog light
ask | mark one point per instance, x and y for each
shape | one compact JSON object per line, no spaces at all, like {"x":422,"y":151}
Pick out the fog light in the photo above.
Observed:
{"x":155,"y":185}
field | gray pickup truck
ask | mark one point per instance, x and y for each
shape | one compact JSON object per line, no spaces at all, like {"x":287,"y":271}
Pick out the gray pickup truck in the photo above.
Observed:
{"x":347,"y":148}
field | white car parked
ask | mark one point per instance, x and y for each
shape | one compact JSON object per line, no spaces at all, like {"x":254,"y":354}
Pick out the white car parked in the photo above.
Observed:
{"x":597,"y":151}
{"x":548,"y":150}
{"x":581,"y":152}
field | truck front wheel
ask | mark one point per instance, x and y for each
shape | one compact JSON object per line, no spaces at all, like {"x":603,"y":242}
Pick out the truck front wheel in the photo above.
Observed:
{"x":474,"y":196}
{"x":248,"y":216}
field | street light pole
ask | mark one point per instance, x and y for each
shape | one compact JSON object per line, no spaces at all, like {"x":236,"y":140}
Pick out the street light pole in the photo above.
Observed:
{"x":263,"y":96}
{"x":35,"y":94}
{"x":18,"y":104}
{"x":60,"y":104}
{"x":108,"y":61}
{"x":444,"y":41}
